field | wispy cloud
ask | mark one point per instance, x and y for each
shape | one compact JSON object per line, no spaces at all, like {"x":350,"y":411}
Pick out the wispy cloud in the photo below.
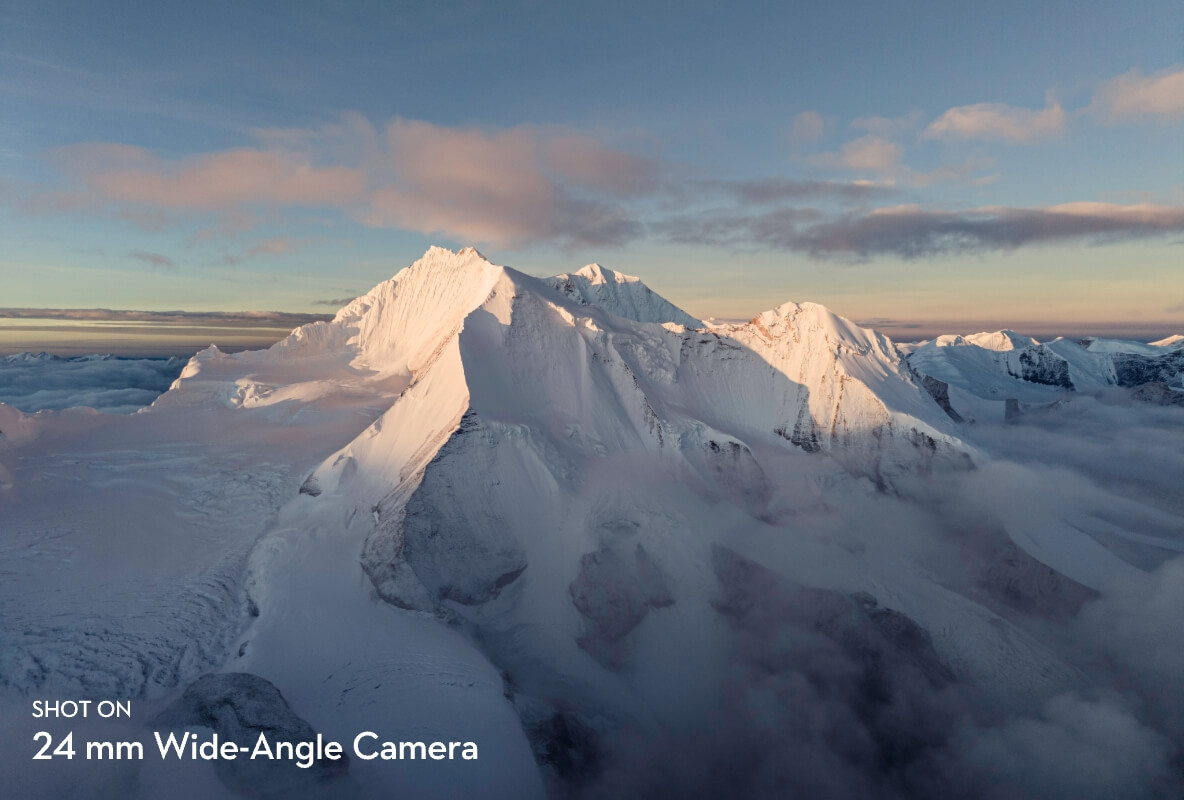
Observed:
{"x":951,"y":172}
{"x":529,"y":184}
{"x":913,"y":232}
{"x":774,"y":190}
{"x":763,"y":230}
{"x":277,"y":246}
{"x":214,"y":182}
{"x":1135,"y":96}
{"x":154,"y":260}
{"x":806,"y":128}
{"x":883,"y":158}
{"x":887,"y":127}
{"x":999,"y":122}
{"x":507,"y":186}
{"x":865,"y":154}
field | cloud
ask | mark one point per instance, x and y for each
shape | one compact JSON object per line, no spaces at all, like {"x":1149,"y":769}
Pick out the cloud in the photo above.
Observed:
{"x":950,"y":172}
{"x":113,"y":385}
{"x":867,"y":154}
{"x":154,"y":260}
{"x":1133,"y":96}
{"x":806,"y":128}
{"x":727,"y":228}
{"x":911,"y":231}
{"x":773,"y":190}
{"x":332,"y":302}
{"x":212,"y":182}
{"x":814,"y":704}
{"x":887,"y":127}
{"x":508,"y":187}
{"x":1075,"y":748}
{"x":276,"y":246}
{"x":272,"y":247}
{"x":504,"y":186}
{"x":999,"y":122}
{"x":871,"y":153}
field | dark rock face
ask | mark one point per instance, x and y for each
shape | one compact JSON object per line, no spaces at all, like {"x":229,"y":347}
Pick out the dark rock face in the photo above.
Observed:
{"x":1136,"y":370}
{"x":614,"y":592}
{"x":940,"y":392}
{"x":1015,"y":579}
{"x":755,"y":598}
{"x":239,"y":706}
{"x":444,"y":546}
{"x":566,"y":749}
{"x":804,"y":433}
{"x":1038,"y":365}
{"x":731,"y":468}
{"x":460,"y":550}
{"x":871,"y":666}
{"x":1158,"y":393}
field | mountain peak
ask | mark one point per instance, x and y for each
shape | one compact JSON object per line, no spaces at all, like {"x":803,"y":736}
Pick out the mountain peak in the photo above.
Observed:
{"x":597,"y":274}
{"x":620,"y":294}
{"x":1001,"y":340}
{"x":442,"y":255}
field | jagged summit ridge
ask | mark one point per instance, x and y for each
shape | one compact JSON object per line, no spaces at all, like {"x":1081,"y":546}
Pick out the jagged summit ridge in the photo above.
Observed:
{"x":405,"y":325}
{"x":624,"y":295}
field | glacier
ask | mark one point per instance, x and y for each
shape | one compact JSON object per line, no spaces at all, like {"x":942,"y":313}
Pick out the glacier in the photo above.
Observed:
{"x":626,"y":551}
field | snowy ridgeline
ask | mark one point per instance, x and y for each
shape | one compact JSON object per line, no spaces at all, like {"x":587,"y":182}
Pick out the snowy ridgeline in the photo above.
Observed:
{"x":626,"y":552}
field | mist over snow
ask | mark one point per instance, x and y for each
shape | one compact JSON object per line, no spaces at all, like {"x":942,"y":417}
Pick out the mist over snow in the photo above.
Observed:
{"x":39,"y":382}
{"x":629,"y":553}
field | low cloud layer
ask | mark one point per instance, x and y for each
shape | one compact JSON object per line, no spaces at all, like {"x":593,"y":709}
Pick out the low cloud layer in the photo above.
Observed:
{"x":815,"y":706}
{"x":112,"y":385}
{"x":237,"y":319}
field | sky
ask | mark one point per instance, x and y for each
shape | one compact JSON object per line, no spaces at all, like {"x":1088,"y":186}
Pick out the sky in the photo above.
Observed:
{"x":940,"y":166}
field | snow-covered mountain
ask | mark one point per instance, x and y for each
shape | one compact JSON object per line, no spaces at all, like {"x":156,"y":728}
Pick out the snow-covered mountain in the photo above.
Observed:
{"x":564,"y":519}
{"x":1007,"y":366}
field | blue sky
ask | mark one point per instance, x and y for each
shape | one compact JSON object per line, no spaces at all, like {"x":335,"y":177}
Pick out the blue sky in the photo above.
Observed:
{"x":1005,"y":163}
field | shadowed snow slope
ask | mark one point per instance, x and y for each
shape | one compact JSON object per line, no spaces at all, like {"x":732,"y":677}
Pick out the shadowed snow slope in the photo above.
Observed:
{"x":565,"y":520}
